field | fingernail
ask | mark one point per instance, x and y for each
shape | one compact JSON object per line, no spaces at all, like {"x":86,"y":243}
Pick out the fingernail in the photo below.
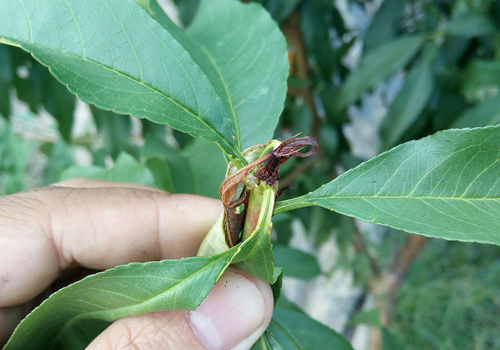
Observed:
{"x":234,"y":310}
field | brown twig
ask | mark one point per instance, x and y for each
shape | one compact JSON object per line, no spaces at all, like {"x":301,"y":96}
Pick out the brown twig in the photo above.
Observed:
{"x":386,"y":286}
{"x":291,"y":29}
{"x":360,"y":246}
{"x":287,"y":180}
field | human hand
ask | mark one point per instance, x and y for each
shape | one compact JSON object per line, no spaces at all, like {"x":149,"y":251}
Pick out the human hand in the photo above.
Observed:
{"x":99,"y":225}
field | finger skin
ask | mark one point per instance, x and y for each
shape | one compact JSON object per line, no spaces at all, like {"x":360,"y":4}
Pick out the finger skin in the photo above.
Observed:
{"x":159,"y":331}
{"x":46,"y":230}
{"x":91,"y":183}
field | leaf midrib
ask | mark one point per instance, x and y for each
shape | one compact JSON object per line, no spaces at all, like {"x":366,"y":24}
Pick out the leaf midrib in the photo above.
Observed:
{"x":83,"y":58}
{"x":400,"y":197}
{"x":226,"y":90}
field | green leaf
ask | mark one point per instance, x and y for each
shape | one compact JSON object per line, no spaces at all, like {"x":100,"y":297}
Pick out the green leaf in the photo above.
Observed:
{"x":296,"y":263}
{"x":5,"y":80}
{"x":29,"y":86}
{"x":60,"y":157}
{"x":126,"y":169}
{"x":121,"y":60}
{"x":369,"y":317}
{"x":385,"y":24}
{"x":171,"y":170}
{"x":277,"y":285}
{"x":115,"y":129}
{"x":260,"y":262}
{"x":316,"y":27}
{"x":209,"y":167}
{"x":74,"y":316}
{"x":470,"y":24}
{"x":279,"y":9}
{"x":59,"y":102}
{"x":245,"y":57}
{"x":389,"y":342}
{"x":443,"y":186}
{"x":13,"y":159}
{"x":6,"y":72}
{"x":187,"y":10}
{"x":481,"y":80}
{"x":295,"y":330}
{"x":487,"y":113}
{"x":377,"y":66}
{"x":411,"y":100}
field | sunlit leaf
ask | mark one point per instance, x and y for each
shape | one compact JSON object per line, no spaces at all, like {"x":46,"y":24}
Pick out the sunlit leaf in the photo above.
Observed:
{"x":443,"y":186}
{"x":120,"y":59}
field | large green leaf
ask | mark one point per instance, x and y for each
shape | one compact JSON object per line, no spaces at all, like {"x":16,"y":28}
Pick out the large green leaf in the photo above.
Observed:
{"x":126,"y":169}
{"x":6,"y":74}
{"x":445,"y":186}
{"x":378,"y":65}
{"x":470,"y":24}
{"x":291,"y":328}
{"x":112,"y":54}
{"x":209,"y":167}
{"x":171,"y":170}
{"x":248,"y":67}
{"x":296,"y":263}
{"x":487,"y":113}
{"x":74,"y":316}
{"x":411,"y":100}
{"x":295,"y":330}
{"x":245,"y":57}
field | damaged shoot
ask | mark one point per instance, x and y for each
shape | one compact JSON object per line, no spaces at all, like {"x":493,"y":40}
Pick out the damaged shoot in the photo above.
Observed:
{"x":242,"y":192}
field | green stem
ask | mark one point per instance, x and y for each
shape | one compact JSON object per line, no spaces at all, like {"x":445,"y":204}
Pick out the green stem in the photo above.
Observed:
{"x":261,"y":197}
{"x":291,"y":204}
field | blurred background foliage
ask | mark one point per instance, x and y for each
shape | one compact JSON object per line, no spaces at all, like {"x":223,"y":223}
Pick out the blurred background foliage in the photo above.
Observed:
{"x":365,"y":76}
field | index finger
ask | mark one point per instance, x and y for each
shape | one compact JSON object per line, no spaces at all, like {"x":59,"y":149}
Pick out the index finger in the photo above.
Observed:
{"x":46,"y":230}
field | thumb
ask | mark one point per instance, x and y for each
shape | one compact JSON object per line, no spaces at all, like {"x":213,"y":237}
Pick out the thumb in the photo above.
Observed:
{"x":234,"y":315}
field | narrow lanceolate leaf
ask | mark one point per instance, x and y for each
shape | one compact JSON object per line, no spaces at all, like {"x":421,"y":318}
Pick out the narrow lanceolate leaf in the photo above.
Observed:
{"x":411,"y":100}
{"x":75,"y":315}
{"x":113,"y":54}
{"x":445,"y":186}
{"x":245,"y":56}
{"x":377,"y":66}
{"x":296,"y":263}
{"x":470,"y":24}
{"x":486,"y":113}
{"x":385,"y":24}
